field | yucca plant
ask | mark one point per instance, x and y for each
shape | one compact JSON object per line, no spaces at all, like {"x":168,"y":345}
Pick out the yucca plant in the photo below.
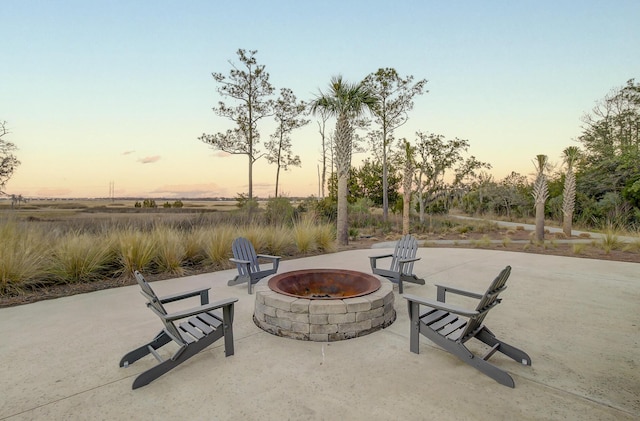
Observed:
{"x":80,"y":257}
{"x":23,"y":257}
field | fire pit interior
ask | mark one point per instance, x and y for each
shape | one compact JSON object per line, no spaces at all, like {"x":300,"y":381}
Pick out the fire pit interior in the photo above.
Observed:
{"x":324,"y":284}
{"x":324,"y":305}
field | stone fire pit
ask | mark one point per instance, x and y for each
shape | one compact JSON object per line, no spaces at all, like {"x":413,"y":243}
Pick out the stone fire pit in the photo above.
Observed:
{"x":324,"y":305}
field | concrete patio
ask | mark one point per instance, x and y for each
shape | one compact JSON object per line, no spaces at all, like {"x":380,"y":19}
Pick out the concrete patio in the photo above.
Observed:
{"x":578,"y":319}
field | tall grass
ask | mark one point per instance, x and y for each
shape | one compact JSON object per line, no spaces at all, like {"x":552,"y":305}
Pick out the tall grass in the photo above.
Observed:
{"x":80,"y":257}
{"x":277,"y":240}
{"x":216,"y":244}
{"x":610,"y":241}
{"x":171,"y":250}
{"x":304,"y":235}
{"x":325,"y":237}
{"x":23,"y":256}
{"x":135,"y":250}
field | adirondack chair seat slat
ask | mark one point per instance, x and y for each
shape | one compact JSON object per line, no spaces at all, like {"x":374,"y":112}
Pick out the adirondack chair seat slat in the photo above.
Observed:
{"x":211,"y":318}
{"x":450,"y":327}
{"x":248,"y":265}
{"x":445,"y":321}
{"x":202,"y":327}
{"x":188,"y":328}
{"x":432,"y":315}
{"x":401,"y":266}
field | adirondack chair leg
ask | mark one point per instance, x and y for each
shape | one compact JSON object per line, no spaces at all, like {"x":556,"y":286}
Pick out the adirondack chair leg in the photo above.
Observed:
{"x":492,"y":371}
{"x":510,"y":351}
{"x":414,"y":335}
{"x":414,"y":279}
{"x":461,"y":351}
{"x":153,"y":373}
{"x":238,"y":280}
{"x":158,"y":342}
{"x":227,"y":321}
{"x":400,"y":285}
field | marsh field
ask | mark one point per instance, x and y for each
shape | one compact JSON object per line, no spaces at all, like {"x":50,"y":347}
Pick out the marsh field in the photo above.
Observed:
{"x":53,"y":248}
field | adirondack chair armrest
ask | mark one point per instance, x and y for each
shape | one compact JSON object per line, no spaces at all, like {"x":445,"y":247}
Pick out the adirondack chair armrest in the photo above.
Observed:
{"x":266,"y":256}
{"x":440,"y":305}
{"x":373,"y":260}
{"x":239,"y":261}
{"x":199,"y":310}
{"x":414,"y":259}
{"x":202,"y":292}
{"x":443,"y":289}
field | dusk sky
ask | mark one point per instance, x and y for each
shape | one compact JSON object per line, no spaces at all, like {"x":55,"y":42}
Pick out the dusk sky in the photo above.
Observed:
{"x":95,"y":92}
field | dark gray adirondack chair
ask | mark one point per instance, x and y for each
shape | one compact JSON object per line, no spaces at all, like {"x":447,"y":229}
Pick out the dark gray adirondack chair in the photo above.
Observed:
{"x":401,"y":268}
{"x":203,"y":326}
{"x":450,"y":327}
{"x":247,"y":261}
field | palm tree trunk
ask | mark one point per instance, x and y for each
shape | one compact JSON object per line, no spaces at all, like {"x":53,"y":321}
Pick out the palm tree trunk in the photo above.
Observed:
{"x":539,"y":221}
{"x":343,"y":148}
{"x":568,"y":202}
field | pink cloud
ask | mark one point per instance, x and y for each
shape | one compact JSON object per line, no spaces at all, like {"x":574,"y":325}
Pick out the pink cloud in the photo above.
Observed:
{"x":221,"y":154}
{"x":127,"y":152}
{"x":149,"y":159}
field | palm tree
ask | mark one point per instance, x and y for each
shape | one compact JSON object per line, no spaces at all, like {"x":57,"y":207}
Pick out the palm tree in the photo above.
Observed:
{"x":540,"y":194}
{"x":346,"y":102}
{"x":570,"y":155}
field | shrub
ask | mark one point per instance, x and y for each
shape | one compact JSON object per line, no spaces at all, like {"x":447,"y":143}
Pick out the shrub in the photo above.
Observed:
{"x":279,"y":211}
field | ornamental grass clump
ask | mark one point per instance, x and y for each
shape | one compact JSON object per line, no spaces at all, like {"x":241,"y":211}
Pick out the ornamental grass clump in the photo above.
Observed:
{"x":171,"y":250}
{"x":325,"y":238}
{"x":80,"y":257}
{"x":135,"y":250}
{"x":23,"y":257}
{"x":304,"y":235}
{"x":216,"y":244}
{"x":277,"y":240}
{"x":610,"y":241}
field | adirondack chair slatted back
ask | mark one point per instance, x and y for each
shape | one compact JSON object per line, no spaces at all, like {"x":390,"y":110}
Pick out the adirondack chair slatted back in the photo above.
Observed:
{"x":487,"y":302}
{"x":153,"y":302}
{"x":243,"y":250}
{"x":406,"y":248}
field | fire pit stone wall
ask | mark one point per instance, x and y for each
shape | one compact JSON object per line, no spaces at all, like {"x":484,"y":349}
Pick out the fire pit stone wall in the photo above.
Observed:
{"x":324,"y":320}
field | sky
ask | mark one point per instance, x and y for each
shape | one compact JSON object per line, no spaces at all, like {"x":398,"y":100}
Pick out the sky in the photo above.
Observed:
{"x":101,"y":93}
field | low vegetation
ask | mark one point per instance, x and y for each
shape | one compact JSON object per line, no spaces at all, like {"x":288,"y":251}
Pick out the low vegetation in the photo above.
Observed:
{"x":79,"y":245}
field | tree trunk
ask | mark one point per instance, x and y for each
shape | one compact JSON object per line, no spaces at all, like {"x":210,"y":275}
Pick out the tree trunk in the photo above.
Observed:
{"x":568,"y":202}
{"x":343,"y":149}
{"x":342,"y":218}
{"x":385,"y":176}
